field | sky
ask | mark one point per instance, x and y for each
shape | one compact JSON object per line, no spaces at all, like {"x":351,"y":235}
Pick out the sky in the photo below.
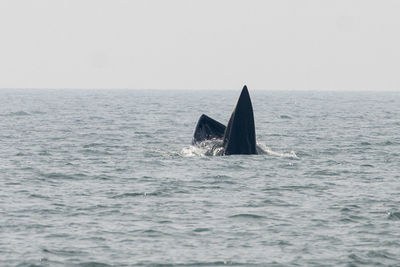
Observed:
{"x":205,"y":44}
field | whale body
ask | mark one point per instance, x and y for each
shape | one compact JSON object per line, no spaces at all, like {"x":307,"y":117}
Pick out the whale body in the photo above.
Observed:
{"x":239,"y":136}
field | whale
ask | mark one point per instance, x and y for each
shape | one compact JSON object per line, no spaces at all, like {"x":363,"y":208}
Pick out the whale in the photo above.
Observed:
{"x":239,"y":136}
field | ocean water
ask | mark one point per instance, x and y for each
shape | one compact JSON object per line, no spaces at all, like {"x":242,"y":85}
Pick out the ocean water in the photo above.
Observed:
{"x":108,"y":178}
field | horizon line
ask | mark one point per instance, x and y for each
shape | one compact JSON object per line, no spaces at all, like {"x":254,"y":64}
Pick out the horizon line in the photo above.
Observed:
{"x":200,"y":89}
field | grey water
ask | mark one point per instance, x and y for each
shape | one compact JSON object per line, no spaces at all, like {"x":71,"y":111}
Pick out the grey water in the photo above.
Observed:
{"x":108,"y":178}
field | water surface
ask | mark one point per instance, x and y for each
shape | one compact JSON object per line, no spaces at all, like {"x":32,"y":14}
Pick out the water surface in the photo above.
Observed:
{"x":108,"y":178}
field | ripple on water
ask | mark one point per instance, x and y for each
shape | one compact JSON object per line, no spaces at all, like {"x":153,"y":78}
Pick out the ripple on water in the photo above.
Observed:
{"x":381,"y":254}
{"x":247,"y":216}
{"x":394,"y":215}
{"x":154,"y":233}
{"x":131,"y":194}
{"x":94,"y":152}
{"x":93,"y":145}
{"x":199,"y":263}
{"x":285,"y":117}
{"x":17,"y":113}
{"x":94,"y":264}
{"x":365,"y":143}
{"x":64,"y":176}
{"x":200,"y":230}
{"x":65,"y":252}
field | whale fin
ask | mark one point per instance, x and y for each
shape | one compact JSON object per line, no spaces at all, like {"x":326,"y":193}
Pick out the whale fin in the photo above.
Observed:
{"x":240,"y":134}
{"x":207,"y":128}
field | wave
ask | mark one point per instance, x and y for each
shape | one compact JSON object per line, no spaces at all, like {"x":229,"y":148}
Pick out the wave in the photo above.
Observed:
{"x":263,"y":149}
{"x":205,"y":263}
{"x":394,"y":215}
{"x":247,"y":215}
{"x":16,"y":113}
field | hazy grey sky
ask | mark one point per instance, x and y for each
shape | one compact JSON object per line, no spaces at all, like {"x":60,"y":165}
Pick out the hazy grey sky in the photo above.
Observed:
{"x":211,"y":44}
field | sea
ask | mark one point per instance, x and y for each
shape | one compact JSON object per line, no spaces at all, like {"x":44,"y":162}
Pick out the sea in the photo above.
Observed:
{"x":110,"y":178}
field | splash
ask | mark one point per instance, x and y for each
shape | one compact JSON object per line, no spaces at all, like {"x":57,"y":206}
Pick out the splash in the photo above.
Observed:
{"x":214,"y":147}
{"x":263,"y":149}
{"x":211,"y":147}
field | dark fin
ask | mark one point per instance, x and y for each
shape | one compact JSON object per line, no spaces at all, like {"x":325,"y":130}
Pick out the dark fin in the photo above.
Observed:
{"x":208,"y":128}
{"x":240,"y":134}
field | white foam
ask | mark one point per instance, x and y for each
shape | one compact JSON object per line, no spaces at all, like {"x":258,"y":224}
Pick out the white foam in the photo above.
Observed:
{"x":214,"y":148}
{"x":192,"y":151}
{"x":205,"y":148}
{"x":266,"y":150}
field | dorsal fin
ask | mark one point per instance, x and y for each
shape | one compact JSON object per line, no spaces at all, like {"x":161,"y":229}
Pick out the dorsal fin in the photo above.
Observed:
{"x":240,"y":134}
